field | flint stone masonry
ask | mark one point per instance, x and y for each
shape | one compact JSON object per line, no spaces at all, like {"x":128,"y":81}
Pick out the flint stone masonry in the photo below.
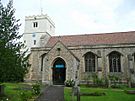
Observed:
{"x":75,"y":62}
{"x":103,"y":63}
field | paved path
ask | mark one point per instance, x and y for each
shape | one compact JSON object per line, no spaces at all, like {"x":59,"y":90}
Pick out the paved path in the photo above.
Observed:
{"x":52,"y":93}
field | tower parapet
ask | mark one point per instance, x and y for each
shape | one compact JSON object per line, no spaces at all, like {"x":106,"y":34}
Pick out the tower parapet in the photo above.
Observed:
{"x":35,"y":27}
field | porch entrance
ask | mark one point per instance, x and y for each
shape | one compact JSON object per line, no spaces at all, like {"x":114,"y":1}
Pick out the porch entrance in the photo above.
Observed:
{"x":59,"y":72}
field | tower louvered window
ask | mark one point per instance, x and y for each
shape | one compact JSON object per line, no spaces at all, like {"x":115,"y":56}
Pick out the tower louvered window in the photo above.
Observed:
{"x":35,"y":24}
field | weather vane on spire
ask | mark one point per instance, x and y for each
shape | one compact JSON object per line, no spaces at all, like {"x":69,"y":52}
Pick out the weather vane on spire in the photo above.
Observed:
{"x":41,"y":9}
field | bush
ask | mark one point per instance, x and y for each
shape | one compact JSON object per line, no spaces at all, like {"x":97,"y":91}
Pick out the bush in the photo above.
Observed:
{"x":4,"y":99}
{"x":115,"y":81}
{"x":36,"y":88}
{"x":133,"y":85}
{"x":87,"y":79}
{"x":121,"y":86}
{"x":93,"y":94}
{"x":106,"y":82}
{"x":94,"y":77}
{"x":98,"y":82}
{"x":69,"y":83}
{"x":130,"y":91}
{"x":23,"y":96}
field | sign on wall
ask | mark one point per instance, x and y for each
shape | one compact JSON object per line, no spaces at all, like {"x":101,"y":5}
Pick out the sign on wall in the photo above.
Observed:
{"x":59,"y":66}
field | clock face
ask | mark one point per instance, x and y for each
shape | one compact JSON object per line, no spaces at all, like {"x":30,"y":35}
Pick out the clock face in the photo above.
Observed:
{"x":34,"y":35}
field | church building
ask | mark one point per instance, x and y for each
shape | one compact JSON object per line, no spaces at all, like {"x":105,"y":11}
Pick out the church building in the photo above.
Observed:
{"x":55,"y":59}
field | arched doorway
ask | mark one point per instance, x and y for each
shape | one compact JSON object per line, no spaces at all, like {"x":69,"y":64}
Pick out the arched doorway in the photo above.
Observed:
{"x":59,"y":71}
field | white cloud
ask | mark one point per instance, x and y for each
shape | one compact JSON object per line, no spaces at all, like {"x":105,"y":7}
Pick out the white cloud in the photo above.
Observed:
{"x":101,"y":4}
{"x":81,"y":16}
{"x":57,"y":2}
{"x":127,"y":21}
{"x":105,"y":16}
{"x":89,"y":23}
{"x":105,"y":9}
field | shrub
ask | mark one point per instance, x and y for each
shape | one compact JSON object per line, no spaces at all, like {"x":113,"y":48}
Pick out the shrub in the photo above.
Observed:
{"x":4,"y":99}
{"x":99,"y":82}
{"x":36,"y":88}
{"x":114,"y":81}
{"x":87,"y":79}
{"x":133,"y":84}
{"x":130,"y":91}
{"x":23,"y":96}
{"x":106,"y":82}
{"x":93,"y":94}
{"x":95,"y":78}
{"x":69,"y":83}
{"x":121,"y":86}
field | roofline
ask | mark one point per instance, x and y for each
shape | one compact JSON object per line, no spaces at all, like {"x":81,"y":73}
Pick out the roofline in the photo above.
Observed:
{"x":97,"y":45}
{"x":94,"y":34}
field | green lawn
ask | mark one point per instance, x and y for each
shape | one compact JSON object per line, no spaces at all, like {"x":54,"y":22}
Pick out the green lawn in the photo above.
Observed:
{"x":111,"y":95}
{"x":15,"y":92}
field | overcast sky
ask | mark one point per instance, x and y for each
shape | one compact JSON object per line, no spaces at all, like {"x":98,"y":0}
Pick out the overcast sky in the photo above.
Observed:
{"x":81,"y":16}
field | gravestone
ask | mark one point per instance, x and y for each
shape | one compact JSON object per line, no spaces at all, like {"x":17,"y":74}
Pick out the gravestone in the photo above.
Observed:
{"x":76,"y":92}
{"x":2,"y":90}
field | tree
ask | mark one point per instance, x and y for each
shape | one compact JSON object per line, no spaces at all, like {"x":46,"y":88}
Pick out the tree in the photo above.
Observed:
{"x":13,"y":62}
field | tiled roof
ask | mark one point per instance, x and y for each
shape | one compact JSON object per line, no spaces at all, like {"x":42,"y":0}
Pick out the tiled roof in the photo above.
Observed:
{"x":94,"y":39}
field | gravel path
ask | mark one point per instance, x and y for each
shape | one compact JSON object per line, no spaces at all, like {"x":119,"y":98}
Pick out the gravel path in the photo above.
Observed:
{"x":52,"y":93}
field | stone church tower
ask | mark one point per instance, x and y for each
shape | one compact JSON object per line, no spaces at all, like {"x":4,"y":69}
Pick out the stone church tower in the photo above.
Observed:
{"x":36,"y":29}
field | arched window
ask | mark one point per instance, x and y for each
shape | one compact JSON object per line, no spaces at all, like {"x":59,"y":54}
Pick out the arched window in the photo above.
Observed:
{"x":90,"y":62}
{"x":115,"y":62}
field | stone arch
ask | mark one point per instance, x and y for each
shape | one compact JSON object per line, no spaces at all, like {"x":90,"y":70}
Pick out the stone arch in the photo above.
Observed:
{"x":89,"y":52}
{"x":116,"y":52}
{"x":56,"y":59}
{"x":59,"y":71}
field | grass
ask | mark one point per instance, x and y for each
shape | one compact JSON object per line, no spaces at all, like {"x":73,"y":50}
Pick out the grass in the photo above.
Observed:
{"x":16,"y":91}
{"x":111,"y":95}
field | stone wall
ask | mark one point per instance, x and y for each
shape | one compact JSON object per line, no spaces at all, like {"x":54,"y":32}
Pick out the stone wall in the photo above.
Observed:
{"x":71,"y":55}
{"x":50,"y":58}
{"x":102,"y":53}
